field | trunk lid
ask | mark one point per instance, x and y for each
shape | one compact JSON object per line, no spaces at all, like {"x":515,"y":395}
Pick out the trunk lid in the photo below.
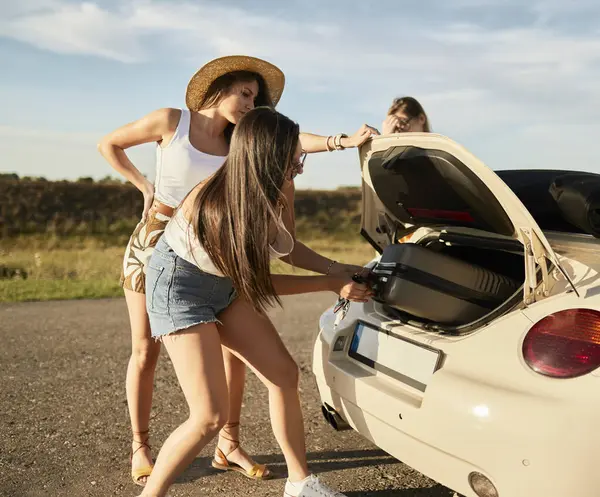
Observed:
{"x":425,"y":180}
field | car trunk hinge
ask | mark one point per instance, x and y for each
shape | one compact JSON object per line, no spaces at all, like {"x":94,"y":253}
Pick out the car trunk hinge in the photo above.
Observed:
{"x":537,"y":284}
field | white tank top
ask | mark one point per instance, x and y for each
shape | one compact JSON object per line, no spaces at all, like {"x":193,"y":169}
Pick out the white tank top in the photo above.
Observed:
{"x":179,"y":233}
{"x":180,"y":166}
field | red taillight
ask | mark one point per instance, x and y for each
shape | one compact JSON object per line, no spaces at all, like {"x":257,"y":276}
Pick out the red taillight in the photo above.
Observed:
{"x":565,"y":344}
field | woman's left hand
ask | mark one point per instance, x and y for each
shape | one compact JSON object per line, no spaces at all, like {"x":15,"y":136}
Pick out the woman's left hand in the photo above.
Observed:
{"x":347,"y":288}
{"x":361,"y":136}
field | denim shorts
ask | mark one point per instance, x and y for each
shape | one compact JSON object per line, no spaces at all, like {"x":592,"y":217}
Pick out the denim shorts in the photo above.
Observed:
{"x":180,"y":295}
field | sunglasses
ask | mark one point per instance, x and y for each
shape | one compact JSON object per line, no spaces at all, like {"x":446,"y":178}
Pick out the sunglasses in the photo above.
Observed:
{"x":404,"y":123}
{"x":298,"y":166}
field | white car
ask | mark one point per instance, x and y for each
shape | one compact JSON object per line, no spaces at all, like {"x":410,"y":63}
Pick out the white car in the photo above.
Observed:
{"x":500,"y":403}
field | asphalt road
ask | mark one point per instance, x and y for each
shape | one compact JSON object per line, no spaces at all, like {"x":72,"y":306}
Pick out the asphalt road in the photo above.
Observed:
{"x":64,"y":427}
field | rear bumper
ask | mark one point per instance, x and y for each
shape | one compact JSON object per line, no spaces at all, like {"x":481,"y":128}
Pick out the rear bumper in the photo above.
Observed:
{"x":437,"y":465}
{"x":446,"y":441}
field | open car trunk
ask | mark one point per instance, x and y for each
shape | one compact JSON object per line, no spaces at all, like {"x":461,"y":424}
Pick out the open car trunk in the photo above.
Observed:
{"x":482,"y":254}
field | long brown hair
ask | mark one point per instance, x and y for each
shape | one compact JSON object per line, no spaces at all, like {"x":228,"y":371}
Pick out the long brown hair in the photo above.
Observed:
{"x":221,"y":86}
{"x":412,"y":108}
{"x":232,"y":213}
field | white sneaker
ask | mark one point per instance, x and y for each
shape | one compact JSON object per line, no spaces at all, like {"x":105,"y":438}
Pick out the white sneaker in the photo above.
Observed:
{"x":311,"y":487}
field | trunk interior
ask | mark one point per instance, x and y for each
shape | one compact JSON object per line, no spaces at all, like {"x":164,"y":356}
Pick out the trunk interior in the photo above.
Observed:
{"x":501,"y":256}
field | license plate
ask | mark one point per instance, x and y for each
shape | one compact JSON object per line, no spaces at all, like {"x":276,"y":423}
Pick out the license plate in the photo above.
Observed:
{"x":407,"y":361}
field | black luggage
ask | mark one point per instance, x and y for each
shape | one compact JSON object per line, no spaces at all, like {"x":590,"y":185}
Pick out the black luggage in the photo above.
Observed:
{"x":436,"y":287}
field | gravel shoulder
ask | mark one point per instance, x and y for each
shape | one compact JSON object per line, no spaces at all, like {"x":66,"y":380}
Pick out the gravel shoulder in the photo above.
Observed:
{"x":64,"y":427}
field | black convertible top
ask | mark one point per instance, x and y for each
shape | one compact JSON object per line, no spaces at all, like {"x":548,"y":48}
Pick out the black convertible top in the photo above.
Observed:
{"x":532,"y":186}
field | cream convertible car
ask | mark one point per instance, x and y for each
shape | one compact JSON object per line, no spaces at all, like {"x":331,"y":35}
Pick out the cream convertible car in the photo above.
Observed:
{"x":477,"y":361}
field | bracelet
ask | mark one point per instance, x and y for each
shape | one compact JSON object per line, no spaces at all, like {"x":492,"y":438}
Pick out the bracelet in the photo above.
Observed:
{"x":337,"y":141}
{"x":329,"y":149}
{"x":330,"y":266}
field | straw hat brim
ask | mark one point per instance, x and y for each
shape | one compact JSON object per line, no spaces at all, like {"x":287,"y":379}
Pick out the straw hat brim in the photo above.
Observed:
{"x":204,"y":77}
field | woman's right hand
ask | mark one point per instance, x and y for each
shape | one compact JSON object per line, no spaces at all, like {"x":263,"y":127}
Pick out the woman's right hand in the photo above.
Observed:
{"x":347,"y":288}
{"x":390,"y":125}
{"x":148,"y":193}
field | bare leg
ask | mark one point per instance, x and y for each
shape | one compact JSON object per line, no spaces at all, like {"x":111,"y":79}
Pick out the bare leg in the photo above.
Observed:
{"x":235,"y":370}
{"x":198,"y":363}
{"x":229,"y":436}
{"x":140,"y":378}
{"x":254,"y":338}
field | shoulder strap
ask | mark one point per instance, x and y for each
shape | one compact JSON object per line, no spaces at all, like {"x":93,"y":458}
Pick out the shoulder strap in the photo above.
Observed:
{"x":183,"y":128}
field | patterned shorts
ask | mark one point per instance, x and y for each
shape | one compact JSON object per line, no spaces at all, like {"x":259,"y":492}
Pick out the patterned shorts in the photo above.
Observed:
{"x":140,"y":248}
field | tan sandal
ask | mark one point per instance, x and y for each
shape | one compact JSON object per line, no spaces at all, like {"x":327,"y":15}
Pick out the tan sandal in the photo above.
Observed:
{"x":137,"y":474}
{"x":257,"y":472}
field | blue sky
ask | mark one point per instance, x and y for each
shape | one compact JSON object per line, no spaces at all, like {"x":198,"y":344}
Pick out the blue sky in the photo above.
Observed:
{"x":515,"y":82}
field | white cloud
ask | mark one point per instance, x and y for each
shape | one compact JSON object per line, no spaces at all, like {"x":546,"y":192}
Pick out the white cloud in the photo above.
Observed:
{"x":138,"y":28}
{"x":478,"y":76}
{"x":75,"y":29}
{"x":13,"y":9}
{"x":545,"y":73}
{"x":336,"y":50}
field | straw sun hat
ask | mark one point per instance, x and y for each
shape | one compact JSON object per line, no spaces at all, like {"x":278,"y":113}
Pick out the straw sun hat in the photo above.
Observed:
{"x":201,"y":81}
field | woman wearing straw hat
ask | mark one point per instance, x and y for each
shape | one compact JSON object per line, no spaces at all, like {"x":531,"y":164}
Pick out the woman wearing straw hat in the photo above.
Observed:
{"x":191,"y":145}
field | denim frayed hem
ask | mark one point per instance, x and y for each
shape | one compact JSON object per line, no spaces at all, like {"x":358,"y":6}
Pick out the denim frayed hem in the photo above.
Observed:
{"x":159,"y":338}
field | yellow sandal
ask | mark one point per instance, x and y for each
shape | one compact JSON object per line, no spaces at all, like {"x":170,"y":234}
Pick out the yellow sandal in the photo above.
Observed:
{"x":257,"y":472}
{"x":136,"y":474}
